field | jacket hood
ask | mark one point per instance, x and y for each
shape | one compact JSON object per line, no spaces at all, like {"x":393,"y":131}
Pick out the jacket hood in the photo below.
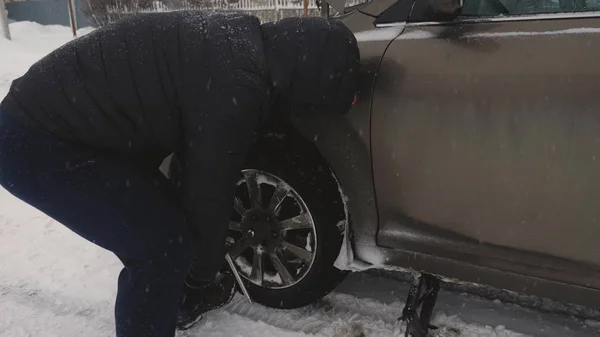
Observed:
{"x":313,"y":65}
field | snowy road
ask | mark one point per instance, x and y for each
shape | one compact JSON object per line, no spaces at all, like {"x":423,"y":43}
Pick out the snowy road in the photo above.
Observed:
{"x":53,"y":283}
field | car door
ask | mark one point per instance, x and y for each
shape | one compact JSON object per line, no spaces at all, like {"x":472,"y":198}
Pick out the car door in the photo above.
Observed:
{"x":486,"y":136}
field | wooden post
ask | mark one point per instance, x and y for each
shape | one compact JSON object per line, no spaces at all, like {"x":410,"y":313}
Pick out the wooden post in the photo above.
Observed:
{"x":305,"y":7}
{"x":72,"y":17}
{"x":324,"y":10}
{"x":276,"y":10}
{"x":4,"y":21}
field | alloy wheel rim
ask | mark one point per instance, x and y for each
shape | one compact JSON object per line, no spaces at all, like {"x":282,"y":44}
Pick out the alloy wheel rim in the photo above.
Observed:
{"x":272,"y":235}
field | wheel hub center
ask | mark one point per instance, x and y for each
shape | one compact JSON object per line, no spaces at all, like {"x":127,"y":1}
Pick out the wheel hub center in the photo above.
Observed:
{"x":260,"y":227}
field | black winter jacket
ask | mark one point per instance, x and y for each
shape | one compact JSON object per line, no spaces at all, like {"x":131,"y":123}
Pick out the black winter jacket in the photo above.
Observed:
{"x":188,"y":82}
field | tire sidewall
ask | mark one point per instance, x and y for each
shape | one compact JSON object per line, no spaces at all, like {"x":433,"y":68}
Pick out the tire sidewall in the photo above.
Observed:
{"x":310,"y":176}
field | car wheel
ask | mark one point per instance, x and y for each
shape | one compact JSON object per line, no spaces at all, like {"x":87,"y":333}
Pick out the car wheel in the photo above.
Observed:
{"x":288,"y":224}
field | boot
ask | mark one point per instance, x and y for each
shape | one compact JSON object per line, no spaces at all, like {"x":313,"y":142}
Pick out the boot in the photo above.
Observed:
{"x":199,"y":298}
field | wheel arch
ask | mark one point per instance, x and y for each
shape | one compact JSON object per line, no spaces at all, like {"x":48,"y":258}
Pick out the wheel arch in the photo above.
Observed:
{"x":339,"y":143}
{"x":342,"y":145}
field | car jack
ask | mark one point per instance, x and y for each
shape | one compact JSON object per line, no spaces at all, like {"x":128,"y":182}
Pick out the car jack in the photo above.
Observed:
{"x":418,"y":325}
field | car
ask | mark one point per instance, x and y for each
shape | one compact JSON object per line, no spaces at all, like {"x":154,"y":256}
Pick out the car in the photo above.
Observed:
{"x":472,"y":153}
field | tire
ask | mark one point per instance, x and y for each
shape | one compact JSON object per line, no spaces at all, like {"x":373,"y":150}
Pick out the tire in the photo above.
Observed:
{"x":292,"y":159}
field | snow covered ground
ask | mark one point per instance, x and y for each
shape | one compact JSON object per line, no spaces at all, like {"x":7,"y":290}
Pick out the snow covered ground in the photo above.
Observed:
{"x":53,"y":283}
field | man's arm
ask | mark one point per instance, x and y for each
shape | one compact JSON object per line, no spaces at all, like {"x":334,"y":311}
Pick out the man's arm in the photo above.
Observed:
{"x":218,"y":143}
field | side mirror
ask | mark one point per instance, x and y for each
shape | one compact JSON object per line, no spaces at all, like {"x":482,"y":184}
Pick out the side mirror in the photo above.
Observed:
{"x":338,"y":5}
{"x":446,"y":8}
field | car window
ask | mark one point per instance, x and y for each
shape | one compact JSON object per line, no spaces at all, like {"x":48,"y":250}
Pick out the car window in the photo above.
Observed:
{"x":352,"y":3}
{"x":349,"y":6}
{"x":398,"y":12}
{"x":487,"y":8}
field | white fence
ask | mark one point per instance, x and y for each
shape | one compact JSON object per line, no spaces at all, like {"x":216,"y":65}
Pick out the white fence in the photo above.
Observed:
{"x":239,"y":5}
{"x":265,"y":10}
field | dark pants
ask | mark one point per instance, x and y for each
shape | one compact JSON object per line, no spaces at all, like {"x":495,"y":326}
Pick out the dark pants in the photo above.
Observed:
{"x":111,"y":203}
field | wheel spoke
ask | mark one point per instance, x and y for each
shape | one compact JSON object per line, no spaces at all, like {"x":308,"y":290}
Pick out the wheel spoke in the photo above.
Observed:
{"x":253,"y":189}
{"x":238,"y":206}
{"x":299,"y":252}
{"x":286,"y":278}
{"x":284,"y":254}
{"x":234,"y":226}
{"x":238,"y":248}
{"x":257,"y":267}
{"x":278,"y":196}
{"x":301,"y":221}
